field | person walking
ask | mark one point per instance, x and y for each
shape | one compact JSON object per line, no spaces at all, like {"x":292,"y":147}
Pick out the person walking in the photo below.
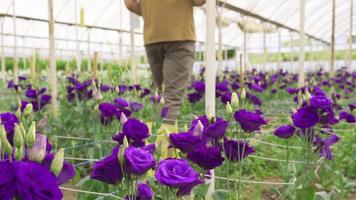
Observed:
{"x":169,"y":38}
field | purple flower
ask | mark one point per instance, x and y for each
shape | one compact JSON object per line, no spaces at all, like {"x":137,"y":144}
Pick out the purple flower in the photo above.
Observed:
{"x":145,"y":92}
{"x":108,"y":111}
{"x":194,"y":97}
{"x":305,"y":117}
{"x":185,"y":141}
{"x":292,"y":90}
{"x":255,"y":87}
{"x":8,"y":180}
{"x":323,"y":145}
{"x":284,"y":131}
{"x":9,"y":120}
{"x":144,"y":192}
{"x":135,"y":130}
{"x":199,"y":86}
{"x":66,"y":173}
{"x":31,"y":93}
{"x":34,"y":181}
{"x":136,"y":106}
{"x":177,"y":173}
{"x":156,"y":99}
{"x":225,"y":98}
{"x":138,"y":160}
{"x":216,"y":130}
{"x":45,"y":99}
{"x":104,"y":88}
{"x":164,"y":112}
{"x":122,"y":89}
{"x":249,"y":121}
{"x":235,"y":151}
{"x":343,"y":115}
{"x":121,"y":103}
{"x":254,"y":99}
{"x":352,"y":106}
{"x":206,"y":157}
{"x":108,"y":170}
{"x":320,"y":101}
{"x":274,"y":90}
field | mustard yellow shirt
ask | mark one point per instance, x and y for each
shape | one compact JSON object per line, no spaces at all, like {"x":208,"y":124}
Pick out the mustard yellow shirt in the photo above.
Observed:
{"x":168,"y":20}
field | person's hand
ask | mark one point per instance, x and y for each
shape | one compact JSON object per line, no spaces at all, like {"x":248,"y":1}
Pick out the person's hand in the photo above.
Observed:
{"x":198,"y":2}
{"x":134,"y":6}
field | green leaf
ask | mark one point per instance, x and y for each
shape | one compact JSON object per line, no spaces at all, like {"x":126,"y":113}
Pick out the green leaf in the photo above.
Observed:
{"x":305,"y":193}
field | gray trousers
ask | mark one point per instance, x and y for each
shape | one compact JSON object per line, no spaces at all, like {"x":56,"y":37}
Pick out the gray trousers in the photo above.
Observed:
{"x":171,"y":64}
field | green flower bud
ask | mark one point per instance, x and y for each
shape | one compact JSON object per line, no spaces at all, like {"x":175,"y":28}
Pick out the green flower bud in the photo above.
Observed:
{"x":228,"y":108}
{"x":18,"y":113}
{"x":23,"y":131}
{"x":234,"y":100}
{"x":2,"y":132}
{"x":57,"y":163}
{"x":19,"y":153}
{"x":7,"y":146}
{"x":28,"y":109}
{"x":243,"y":94}
{"x":31,"y":135}
{"x":307,"y":96}
{"x":18,"y":137}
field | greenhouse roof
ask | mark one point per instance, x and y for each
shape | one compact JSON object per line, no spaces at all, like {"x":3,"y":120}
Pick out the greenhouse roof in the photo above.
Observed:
{"x":111,"y":19}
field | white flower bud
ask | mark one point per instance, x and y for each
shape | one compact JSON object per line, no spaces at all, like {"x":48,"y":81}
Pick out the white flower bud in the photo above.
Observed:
{"x":123,"y":118}
{"x":38,"y":150}
{"x":198,"y":129}
{"x":228,"y":108}
{"x":234,"y":100}
{"x":243,"y":94}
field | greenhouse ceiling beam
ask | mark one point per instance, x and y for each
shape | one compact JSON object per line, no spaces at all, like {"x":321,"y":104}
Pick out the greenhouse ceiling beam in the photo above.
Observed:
{"x":264,"y":19}
{"x":64,"y":40}
{"x":68,"y":23}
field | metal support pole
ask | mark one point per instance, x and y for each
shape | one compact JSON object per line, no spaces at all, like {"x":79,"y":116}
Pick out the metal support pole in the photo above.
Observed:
{"x":3,"y":64}
{"x":15,"y":70}
{"x":89,"y":54}
{"x":78,"y":54}
{"x":350,"y":35}
{"x":331,"y":72}
{"x":210,"y":74}
{"x":133,"y":53}
{"x":220,"y":54}
{"x":52,"y":59}
{"x":244,"y":66}
{"x":264,"y":47}
{"x":301,"y":45}
{"x":279,"y":49}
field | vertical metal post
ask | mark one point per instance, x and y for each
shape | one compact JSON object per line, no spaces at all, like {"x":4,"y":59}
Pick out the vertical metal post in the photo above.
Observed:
{"x":264,"y":47}
{"x":301,"y":45}
{"x":52,"y":59}
{"x":210,"y":74}
{"x":332,"y":39}
{"x":15,"y":70}
{"x":78,"y":53}
{"x":279,"y":49}
{"x":3,"y":64}
{"x":220,"y":51}
{"x":244,"y":66}
{"x":350,"y":34}
{"x":133,"y":53}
